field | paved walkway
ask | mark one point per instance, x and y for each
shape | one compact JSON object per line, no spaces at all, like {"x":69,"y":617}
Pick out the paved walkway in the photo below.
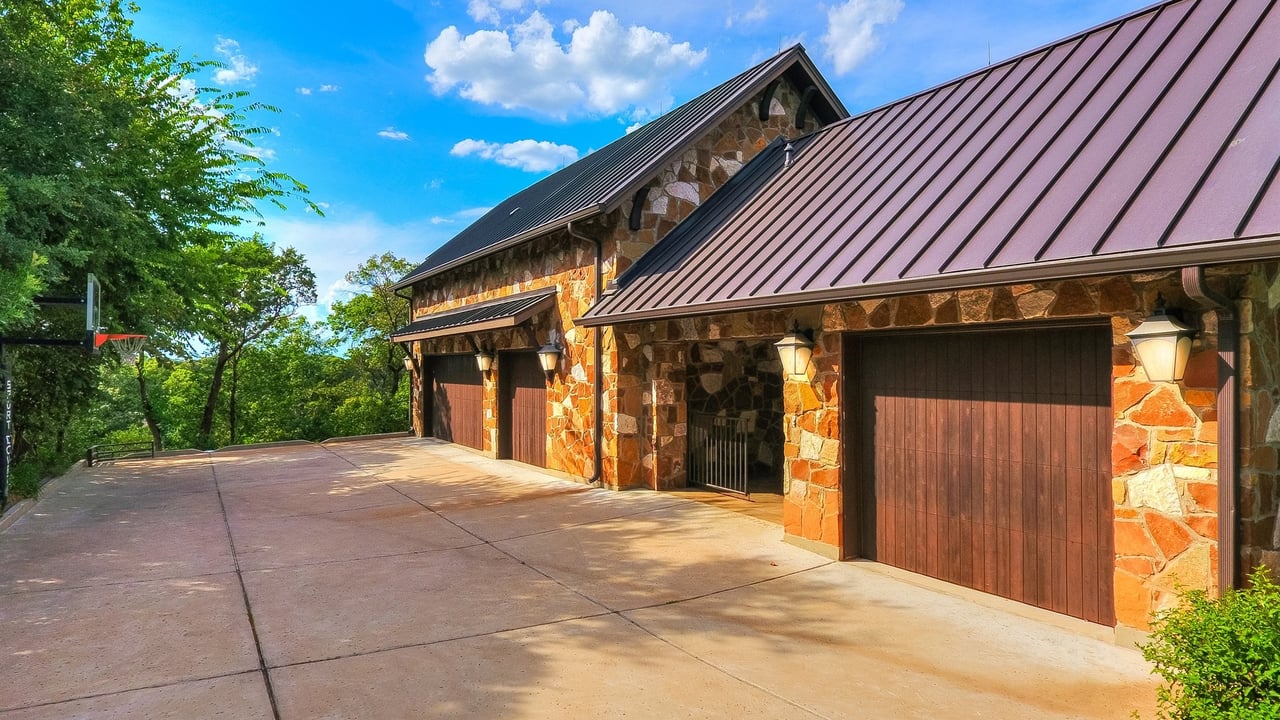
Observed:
{"x":406,"y":579}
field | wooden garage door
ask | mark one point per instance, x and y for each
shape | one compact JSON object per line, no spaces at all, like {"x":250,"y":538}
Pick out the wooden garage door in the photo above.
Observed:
{"x":523,"y":435}
{"x":457,"y":400}
{"x":982,"y":459}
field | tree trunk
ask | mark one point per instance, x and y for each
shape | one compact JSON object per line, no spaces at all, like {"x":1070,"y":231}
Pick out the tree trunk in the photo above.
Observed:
{"x":231,"y":405}
{"x":148,"y":411}
{"x":211,"y":402}
{"x":59,"y":441}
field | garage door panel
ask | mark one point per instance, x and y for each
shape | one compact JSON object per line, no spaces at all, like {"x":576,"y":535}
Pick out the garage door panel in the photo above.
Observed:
{"x":525,"y":409}
{"x":982,"y":462}
{"x":457,"y":403}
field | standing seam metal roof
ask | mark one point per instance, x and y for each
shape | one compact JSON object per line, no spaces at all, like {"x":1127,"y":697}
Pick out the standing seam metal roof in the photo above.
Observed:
{"x":1147,"y":142}
{"x":609,"y":174}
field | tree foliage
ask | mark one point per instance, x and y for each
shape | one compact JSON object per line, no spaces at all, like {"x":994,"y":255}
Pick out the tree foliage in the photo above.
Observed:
{"x":115,"y":161}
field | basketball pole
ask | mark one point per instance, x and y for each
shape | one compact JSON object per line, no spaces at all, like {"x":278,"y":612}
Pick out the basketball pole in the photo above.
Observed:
{"x":6,"y":425}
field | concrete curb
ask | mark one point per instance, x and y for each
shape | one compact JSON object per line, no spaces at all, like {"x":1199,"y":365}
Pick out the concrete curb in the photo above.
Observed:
{"x":258,"y":446}
{"x":15,"y":512}
{"x":180,"y":453}
{"x":358,"y":438}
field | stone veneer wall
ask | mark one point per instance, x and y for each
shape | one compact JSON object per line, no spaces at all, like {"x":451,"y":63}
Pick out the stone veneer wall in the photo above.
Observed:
{"x":1259,"y":363}
{"x":741,"y":379}
{"x":1164,"y":454}
{"x":629,"y":386}
{"x":565,"y":262}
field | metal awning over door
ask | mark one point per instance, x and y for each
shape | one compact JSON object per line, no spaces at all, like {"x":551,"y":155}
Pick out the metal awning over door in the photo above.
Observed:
{"x":983,"y":459}
{"x":489,"y":315}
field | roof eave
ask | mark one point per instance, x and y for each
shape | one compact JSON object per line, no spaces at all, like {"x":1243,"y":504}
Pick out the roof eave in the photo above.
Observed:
{"x":1265,"y":247}
{"x":531,"y":234}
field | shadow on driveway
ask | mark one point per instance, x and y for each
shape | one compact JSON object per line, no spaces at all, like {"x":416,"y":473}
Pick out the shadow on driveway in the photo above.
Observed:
{"x":401,"y":578}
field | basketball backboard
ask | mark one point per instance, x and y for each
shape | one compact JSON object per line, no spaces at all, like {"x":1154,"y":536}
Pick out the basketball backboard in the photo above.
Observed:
{"x":92,"y":304}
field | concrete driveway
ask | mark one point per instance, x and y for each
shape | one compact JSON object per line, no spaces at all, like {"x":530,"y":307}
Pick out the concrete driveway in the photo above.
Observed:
{"x":403,"y":578}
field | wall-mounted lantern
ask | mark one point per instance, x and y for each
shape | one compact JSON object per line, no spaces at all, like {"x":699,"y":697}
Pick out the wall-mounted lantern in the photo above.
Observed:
{"x":549,"y":358}
{"x":1162,"y":344}
{"x":408,"y":363}
{"x":795,"y":349}
{"x":484,"y":361}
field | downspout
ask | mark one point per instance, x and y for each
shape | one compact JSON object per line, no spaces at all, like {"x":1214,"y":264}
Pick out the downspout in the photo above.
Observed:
{"x":596,"y":392}
{"x":1228,"y":372}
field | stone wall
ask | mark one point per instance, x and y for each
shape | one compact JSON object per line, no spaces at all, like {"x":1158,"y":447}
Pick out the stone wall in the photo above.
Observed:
{"x":1259,"y":363}
{"x":556,"y":261}
{"x":566,"y":262}
{"x":633,"y":379}
{"x":1164,"y":454}
{"x":741,"y":380}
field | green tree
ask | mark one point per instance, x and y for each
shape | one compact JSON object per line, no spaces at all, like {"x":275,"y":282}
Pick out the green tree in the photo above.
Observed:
{"x":247,"y":289}
{"x":365,"y":322}
{"x":113,"y":160}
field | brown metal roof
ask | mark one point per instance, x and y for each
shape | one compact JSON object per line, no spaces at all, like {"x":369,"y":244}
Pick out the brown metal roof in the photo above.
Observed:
{"x":491,"y":315}
{"x":599,"y":181}
{"x":1145,"y":143}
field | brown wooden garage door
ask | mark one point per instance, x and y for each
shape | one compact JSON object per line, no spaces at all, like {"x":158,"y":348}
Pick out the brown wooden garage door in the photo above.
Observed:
{"x":982,"y":459}
{"x":457,"y":400}
{"x":523,"y":432}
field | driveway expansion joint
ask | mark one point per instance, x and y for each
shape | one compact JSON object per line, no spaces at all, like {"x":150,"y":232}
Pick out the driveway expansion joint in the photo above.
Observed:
{"x":244,"y":594}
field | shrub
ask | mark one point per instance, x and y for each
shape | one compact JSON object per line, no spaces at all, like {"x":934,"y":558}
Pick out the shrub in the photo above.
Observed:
{"x":24,"y":481}
{"x":1220,"y":657}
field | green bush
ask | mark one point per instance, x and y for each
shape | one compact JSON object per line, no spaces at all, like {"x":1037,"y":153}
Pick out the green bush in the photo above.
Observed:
{"x":24,"y":481}
{"x":1220,"y":657}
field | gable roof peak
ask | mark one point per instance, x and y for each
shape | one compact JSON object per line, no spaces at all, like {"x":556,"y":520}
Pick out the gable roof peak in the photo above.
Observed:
{"x":603,"y":179}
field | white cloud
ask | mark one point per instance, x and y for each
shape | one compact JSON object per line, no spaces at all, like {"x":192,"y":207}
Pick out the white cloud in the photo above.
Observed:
{"x":333,"y":247}
{"x":393,"y":134}
{"x":490,"y":11}
{"x":527,"y":155}
{"x":438,"y":220}
{"x":634,"y":127}
{"x":851,"y":26}
{"x":303,"y":90}
{"x":238,"y":68}
{"x":758,"y":12}
{"x":329,"y":88}
{"x":434,"y":184}
{"x":264,"y":154}
{"x":604,"y":68}
{"x":472,"y":213}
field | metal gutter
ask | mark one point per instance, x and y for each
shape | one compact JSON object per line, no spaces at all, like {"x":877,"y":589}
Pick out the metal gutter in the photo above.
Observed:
{"x":1220,"y":253}
{"x":1228,"y":418}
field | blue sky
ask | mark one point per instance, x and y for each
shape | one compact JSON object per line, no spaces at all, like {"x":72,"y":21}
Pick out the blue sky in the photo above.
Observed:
{"x":409,"y":118}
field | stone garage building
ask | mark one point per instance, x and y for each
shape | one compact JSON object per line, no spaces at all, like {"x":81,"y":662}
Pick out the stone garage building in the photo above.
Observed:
{"x":518,"y":278}
{"x":966,"y":263}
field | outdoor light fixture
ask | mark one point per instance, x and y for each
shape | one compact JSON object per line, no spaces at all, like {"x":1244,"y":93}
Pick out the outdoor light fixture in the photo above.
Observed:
{"x":484,"y":361}
{"x":1162,"y":345}
{"x":549,"y":357}
{"x":795,"y":349}
{"x":408,"y":363}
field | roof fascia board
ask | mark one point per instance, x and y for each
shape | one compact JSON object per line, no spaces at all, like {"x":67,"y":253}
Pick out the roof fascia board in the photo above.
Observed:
{"x":1255,"y":249}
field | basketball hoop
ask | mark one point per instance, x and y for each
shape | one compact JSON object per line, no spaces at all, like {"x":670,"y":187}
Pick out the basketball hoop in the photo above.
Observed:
{"x":128,"y":347}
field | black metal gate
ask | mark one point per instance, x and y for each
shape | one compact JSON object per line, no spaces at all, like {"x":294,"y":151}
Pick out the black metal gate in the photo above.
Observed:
{"x":718,"y":452}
